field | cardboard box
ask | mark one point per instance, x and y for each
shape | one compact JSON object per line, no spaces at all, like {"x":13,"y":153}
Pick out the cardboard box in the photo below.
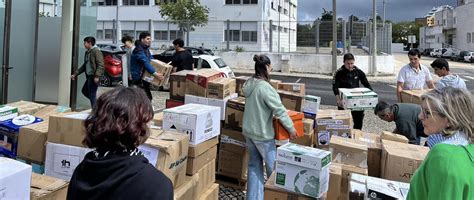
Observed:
{"x":347,"y":170}
{"x":400,"y":161}
{"x":211,"y":194}
{"x":394,"y":137}
{"x":348,"y":151}
{"x":160,"y":67}
{"x":332,"y":122}
{"x":67,"y":128}
{"x":273,"y":192}
{"x":171,"y":103}
{"x":168,"y":152}
{"x":31,"y":142}
{"x":292,"y":101}
{"x":9,"y":131}
{"x":15,"y":179}
{"x":62,"y":160}
{"x":374,"y":153}
{"x":281,"y":133}
{"x":311,"y":106}
{"x":8,"y":112}
{"x":239,"y":83}
{"x":206,"y":178}
{"x":49,"y":110}
{"x":295,"y":88}
{"x":187,"y":190}
{"x":221,"y":103}
{"x":26,"y":107}
{"x":303,"y":156}
{"x":310,"y":182}
{"x":200,"y":122}
{"x":307,"y":139}
{"x":413,"y":96}
{"x":358,"y":98}
{"x":232,"y":164}
{"x":232,"y":141}
{"x":335,"y":178}
{"x":47,"y":188}
{"x":197,"y":82}
{"x":357,"y":186}
{"x":275,"y":83}
{"x":178,"y":85}
{"x":158,"y":119}
{"x":386,"y":189}
{"x":196,"y":150}
{"x":235,"y":113}
{"x":196,"y":163}
{"x":221,"y":88}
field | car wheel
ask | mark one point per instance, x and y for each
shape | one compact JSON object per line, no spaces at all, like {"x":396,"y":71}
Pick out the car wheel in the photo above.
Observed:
{"x":104,"y":81}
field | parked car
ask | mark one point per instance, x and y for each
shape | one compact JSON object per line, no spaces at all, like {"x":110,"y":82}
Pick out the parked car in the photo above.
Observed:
{"x":167,"y":55}
{"x":112,"y":67}
{"x":469,"y":57}
{"x":213,"y":62}
{"x":446,"y":53}
{"x":426,"y":52}
{"x":459,"y":56}
{"x":435,"y":53}
{"x":111,"y":47}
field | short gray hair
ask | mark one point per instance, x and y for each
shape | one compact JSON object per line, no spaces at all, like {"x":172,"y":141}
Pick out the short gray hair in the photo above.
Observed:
{"x":456,"y":105}
{"x":383,"y":108}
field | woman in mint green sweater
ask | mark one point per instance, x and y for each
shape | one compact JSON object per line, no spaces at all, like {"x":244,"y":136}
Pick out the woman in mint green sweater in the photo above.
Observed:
{"x":262,"y":103}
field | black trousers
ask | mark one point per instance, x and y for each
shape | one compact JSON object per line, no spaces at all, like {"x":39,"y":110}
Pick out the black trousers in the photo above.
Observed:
{"x":357,"y":118}
{"x":144,"y":85}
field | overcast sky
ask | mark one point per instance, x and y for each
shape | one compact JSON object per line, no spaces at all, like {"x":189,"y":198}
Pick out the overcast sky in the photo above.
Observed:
{"x":395,"y":10}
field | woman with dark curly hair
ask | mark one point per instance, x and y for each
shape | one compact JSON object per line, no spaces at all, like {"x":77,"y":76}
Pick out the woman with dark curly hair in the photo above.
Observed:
{"x":116,"y":169}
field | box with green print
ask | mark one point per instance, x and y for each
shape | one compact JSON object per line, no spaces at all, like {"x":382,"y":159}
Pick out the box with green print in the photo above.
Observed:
{"x":358,"y":98}
{"x":304,"y":156}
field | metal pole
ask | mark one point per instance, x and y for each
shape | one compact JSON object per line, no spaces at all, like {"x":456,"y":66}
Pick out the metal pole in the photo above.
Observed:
{"x":343,"y":36}
{"x":228,"y":35}
{"x":271,"y":36}
{"x":317,"y":36}
{"x":6,"y":50}
{"x":334,"y":37}
{"x":374,"y":43}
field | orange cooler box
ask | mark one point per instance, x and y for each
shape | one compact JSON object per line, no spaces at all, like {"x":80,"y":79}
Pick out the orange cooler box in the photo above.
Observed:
{"x":281,"y":133}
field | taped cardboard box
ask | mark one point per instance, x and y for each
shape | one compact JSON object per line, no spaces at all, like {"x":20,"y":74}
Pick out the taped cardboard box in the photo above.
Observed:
{"x":26,"y":107}
{"x":196,"y":150}
{"x":239,"y":83}
{"x":9,"y":133}
{"x":348,"y":151}
{"x":232,"y":164}
{"x":307,"y":139}
{"x":358,"y":98}
{"x":273,"y":192}
{"x":196,"y":163}
{"x":329,"y":123}
{"x":31,"y":142}
{"x":211,"y":194}
{"x":178,"y":85}
{"x":413,"y":96}
{"x":221,"y":88}
{"x":400,"y":161}
{"x":311,"y":106}
{"x":291,"y":101}
{"x":281,"y":133}
{"x":394,"y":137}
{"x":67,"y":128}
{"x":347,"y":170}
{"x":158,"y":119}
{"x":235,"y":113}
{"x":275,"y":83}
{"x":62,"y":160}
{"x":374,"y":154}
{"x":47,"y":188}
{"x":160,"y":67}
{"x":197,"y":81}
{"x":232,"y":141}
{"x":206,"y":178}
{"x":335,"y":178}
{"x":49,"y":110}
{"x":168,"y":152}
{"x":15,"y":179}
{"x":187,"y":190}
{"x":296,"y":88}
{"x":303,"y":156}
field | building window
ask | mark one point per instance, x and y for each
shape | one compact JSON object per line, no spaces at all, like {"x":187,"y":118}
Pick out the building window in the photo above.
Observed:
{"x":109,"y":34}
{"x":175,"y":34}
{"x":249,"y":36}
{"x":250,"y":1}
{"x":100,"y":34}
{"x":167,"y":1}
{"x":274,"y":27}
{"x":468,"y":37}
{"x":104,"y":2}
{"x":136,"y":2}
{"x":273,"y":7}
{"x":285,"y":11}
{"x":238,"y":2}
{"x":233,"y":34}
{"x":161,"y":35}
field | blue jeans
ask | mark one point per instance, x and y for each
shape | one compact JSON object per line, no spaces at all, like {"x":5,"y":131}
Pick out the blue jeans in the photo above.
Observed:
{"x":259,"y":152}
{"x":89,"y":89}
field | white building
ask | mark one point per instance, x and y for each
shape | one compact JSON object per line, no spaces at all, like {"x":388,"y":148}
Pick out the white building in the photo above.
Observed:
{"x":464,"y":26}
{"x":249,"y":26}
{"x":49,"y":8}
{"x":441,"y":29}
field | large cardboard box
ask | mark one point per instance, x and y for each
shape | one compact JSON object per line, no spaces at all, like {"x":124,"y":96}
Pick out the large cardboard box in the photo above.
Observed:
{"x":26,"y":107}
{"x":303,"y":156}
{"x":232,"y":164}
{"x":212,"y":193}
{"x":347,"y":170}
{"x":47,"y":188}
{"x":8,"y":112}
{"x":311,"y":106}
{"x":358,"y":98}
{"x":196,"y":163}
{"x":15,"y":179}
{"x":400,"y":161}
{"x":292,"y":101}
{"x":235,"y":113}
{"x":296,"y":88}
{"x":221,"y":88}
{"x":197,"y":81}
{"x":160,"y":67}
{"x":49,"y":110}
{"x":329,"y":123}
{"x":232,"y":141}
{"x":178,"y":85}
{"x":273,"y":192}
{"x":310,"y":182}
{"x":374,"y":153}
{"x":31,"y":142}
{"x":206,"y":178}
{"x":394,"y":137}
{"x":9,"y":131}
{"x":168,"y":152}
{"x":386,"y":189}
{"x":187,"y":190}
{"x":62,"y":160}
{"x":239,"y":83}
{"x":221,"y":103}
{"x":348,"y":151}
{"x":280,"y":131}
{"x":275,"y":83}
{"x":67,"y":128}
{"x":200,"y":122}
{"x":335,"y":178}
{"x":196,"y":150}
{"x":413,"y":96}
{"x":307,"y":139}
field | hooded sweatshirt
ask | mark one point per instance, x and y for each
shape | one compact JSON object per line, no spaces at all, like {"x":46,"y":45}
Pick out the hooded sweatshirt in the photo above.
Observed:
{"x":262,"y":102}
{"x":452,"y":80}
{"x":126,"y":175}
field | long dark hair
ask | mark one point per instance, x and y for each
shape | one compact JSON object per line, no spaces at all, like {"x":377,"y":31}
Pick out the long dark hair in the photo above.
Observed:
{"x":261,"y":63}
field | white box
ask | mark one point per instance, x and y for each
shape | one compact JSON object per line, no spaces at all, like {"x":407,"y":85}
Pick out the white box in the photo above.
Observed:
{"x":302,"y":180}
{"x":8,"y":112}
{"x":311,"y":104}
{"x":384,"y":189}
{"x":195,"y":99}
{"x":62,"y":160}
{"x":15,"y":179}
{"x":304,"y":156}
{"x":200,"y":122}
{"x":221,"y":103}
{"x":358,"y":98}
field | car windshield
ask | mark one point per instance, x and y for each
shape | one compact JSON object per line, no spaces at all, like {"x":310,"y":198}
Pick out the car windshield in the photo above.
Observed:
{"x":220,"y":62}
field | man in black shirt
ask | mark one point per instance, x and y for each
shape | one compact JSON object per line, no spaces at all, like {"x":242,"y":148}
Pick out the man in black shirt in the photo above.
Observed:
{"x":349,"y":76}
{"x":182,"y":59}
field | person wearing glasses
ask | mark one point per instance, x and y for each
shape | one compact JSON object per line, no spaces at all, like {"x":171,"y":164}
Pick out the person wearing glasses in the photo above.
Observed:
{"x":405,"y":116}
{"x":446,"y":172}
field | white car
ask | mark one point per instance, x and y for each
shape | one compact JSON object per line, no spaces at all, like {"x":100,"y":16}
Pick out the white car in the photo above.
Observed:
{"x":212,"y":62}
{"x":436,"y":53}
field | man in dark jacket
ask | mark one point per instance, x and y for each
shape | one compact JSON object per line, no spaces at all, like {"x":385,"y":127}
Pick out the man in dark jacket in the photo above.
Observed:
{"x":93,"y":67}
{"x":349,"y":76}
{"x":406,"y":119}
{"x":182,"y":59}
{"x":141,"y":61}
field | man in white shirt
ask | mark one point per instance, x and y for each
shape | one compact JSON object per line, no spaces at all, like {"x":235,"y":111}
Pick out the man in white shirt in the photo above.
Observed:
{"x":413,"y":76}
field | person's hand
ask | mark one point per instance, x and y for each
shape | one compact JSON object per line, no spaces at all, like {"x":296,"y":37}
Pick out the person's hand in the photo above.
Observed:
{"x":73,"y":77}
{"x":96,"y":80}
{"x":158,"y":76}
{"x":339,"y":102}
{"x":293,"y":135}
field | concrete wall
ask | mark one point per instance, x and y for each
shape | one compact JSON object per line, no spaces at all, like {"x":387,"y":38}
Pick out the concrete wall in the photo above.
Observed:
{"x":464,"y":16}
{"x":305,"y":63}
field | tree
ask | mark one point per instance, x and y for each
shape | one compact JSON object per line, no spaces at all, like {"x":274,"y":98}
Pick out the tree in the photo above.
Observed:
{"x":305,"y":35}
{"x":401,"y":31}
{"x":187,"y":14}
{"x":326,"y":15}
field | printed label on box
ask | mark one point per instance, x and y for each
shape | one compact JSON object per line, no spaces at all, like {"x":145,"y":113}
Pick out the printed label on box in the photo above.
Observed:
{"x":150,"y":153}
{"x":329,"y":122}
{"x":337,"y":126}
{"x":229,"y":140}
{"x":296,"y":87}
{"x":65,"y":164}
{"x":324,"y":137}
